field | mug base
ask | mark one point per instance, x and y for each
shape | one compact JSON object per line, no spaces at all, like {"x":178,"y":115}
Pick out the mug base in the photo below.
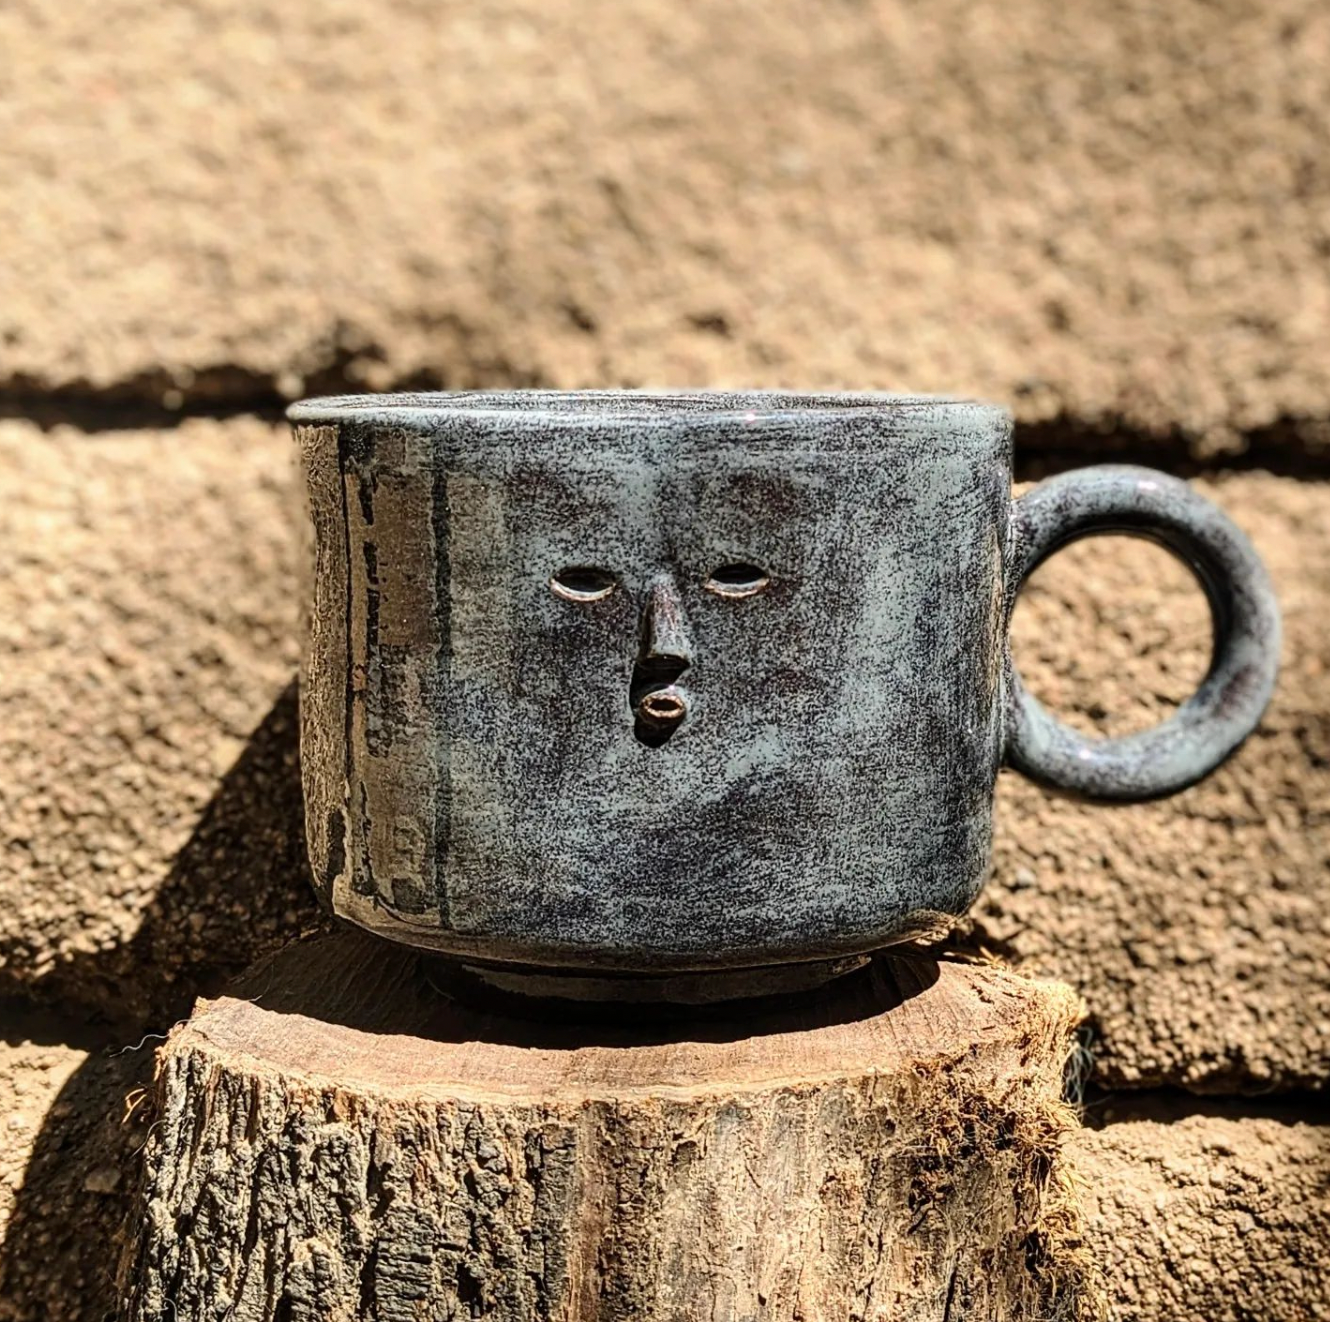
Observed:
{"x":532,"y":984}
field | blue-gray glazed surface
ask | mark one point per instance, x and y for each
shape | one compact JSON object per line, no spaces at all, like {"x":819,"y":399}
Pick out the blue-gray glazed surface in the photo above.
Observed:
{"x":657,"y":683}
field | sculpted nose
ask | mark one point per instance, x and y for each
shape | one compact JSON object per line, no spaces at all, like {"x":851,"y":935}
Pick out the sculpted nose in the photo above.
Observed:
{"x":665,"y":651}
{"x":665,"y":628}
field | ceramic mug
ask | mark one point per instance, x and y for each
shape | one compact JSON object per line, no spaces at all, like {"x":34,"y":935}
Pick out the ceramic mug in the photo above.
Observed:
{"x":702,"y":694}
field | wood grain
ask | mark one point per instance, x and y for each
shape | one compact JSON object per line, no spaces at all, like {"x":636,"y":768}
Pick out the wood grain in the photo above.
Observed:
{"x":338,"y":1140}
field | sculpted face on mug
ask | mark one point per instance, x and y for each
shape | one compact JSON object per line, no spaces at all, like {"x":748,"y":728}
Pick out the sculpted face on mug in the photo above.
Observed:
{"x":657,"y":692}
{"x":664,"y":610}
{"x":693,"y":665}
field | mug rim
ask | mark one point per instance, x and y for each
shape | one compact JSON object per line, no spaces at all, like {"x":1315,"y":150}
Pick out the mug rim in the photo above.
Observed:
{"x":650,"y":407}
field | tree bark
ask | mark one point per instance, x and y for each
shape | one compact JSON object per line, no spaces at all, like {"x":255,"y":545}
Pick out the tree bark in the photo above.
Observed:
{"x":337,"y":1139}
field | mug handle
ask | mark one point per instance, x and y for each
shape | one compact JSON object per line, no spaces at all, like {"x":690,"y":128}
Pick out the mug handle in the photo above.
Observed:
{"x":1224,"y":710}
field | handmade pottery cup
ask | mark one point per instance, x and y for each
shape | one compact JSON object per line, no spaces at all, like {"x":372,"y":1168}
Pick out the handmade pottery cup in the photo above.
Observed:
{"x":701,"y":695}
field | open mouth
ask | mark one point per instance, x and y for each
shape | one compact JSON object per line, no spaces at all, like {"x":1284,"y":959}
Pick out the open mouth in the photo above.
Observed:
{"x":659,"y":706}
{"x":664,"y":707}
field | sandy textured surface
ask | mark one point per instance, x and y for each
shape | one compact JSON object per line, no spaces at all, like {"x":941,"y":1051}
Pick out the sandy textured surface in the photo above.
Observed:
{"x":71,"y":1126}
{"x":1210,"y":1218}
{"x":151,"y":799}
{"x":1114,"y":214}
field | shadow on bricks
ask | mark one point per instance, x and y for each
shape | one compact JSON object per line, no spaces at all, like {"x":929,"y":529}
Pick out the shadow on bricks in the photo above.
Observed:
{"x":238,"y":887}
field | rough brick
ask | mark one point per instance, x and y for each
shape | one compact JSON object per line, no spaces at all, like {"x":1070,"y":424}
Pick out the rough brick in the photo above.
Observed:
{"x":1108,"y":214}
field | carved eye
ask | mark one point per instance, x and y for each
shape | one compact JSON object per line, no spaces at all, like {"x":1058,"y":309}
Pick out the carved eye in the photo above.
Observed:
{"x":582,"y":583}
{"x":737,"y":581}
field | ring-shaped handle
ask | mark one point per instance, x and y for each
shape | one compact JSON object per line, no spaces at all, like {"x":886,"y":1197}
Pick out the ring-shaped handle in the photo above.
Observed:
{"x":1227,"y":706}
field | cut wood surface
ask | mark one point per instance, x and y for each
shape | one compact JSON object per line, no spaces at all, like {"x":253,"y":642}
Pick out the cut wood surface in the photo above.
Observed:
{"x":336,"y":1139}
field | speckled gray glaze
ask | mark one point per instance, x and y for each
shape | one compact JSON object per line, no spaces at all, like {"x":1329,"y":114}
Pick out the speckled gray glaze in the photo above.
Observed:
{"x":607,"y":683}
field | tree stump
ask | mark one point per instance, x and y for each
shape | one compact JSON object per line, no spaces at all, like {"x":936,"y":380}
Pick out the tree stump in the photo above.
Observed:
{"x":336,"y":1139}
